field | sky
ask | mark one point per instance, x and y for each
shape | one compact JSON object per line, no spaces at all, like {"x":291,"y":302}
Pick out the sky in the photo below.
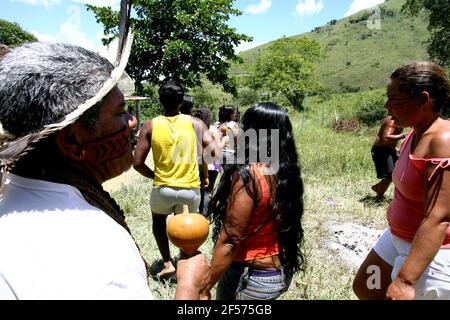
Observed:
{"x":265,"y":20}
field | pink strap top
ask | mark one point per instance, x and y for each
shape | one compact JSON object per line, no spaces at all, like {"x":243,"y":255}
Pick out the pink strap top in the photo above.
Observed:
{"x":406,"y":211}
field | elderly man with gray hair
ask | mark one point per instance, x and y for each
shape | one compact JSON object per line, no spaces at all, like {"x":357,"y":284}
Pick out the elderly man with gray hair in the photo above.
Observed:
{"x":63,"y":132}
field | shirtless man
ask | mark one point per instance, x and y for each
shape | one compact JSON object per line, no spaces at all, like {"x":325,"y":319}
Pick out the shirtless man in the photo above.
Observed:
{"x":384,"y":154}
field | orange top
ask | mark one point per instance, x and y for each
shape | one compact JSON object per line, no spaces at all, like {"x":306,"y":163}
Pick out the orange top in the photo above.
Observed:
{"x":262,"y":240}
{"x":406,"y":211}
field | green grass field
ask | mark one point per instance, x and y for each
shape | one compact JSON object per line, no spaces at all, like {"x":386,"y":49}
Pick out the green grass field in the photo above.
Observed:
{"x":334,"y":165}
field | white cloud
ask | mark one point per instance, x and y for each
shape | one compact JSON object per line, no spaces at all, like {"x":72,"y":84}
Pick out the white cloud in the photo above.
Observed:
{"x":244,"y":46}
{"x":44,"y":37}
{"x":358,"y":5}
{"x":100,"y":3}
{"x":45,"y":3}
{"x":109,"y":51}
{"x":264,"y":5}
{"x":308,"y":7}
{"x":70,"y":32}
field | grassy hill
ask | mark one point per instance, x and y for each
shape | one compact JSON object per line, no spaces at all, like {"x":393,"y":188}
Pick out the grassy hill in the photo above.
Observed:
{"x":358,"y":56}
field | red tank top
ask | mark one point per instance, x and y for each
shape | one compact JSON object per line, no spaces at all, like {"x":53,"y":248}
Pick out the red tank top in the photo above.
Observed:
{"x":262,"y":236}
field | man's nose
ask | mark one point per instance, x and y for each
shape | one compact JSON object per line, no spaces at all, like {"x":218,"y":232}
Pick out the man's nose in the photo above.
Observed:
{"x":132,"y":122}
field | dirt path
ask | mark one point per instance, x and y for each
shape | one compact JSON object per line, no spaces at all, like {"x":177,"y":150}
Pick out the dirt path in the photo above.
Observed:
{"x":126,"y":178}
{"x":352,"y":242}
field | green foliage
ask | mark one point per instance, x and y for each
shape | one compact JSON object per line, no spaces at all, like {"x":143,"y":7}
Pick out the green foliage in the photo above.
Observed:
{"x":400,"y":40}
{"x":348,"y":88}
{"x":150,"y":108}
{"x":12,"y":35}
{"x":248,"y":97}
{"x":205,"y":97}
{"x":327,"y":109}
{"x":437,"y":12}
{"x":371,"y":111}
{"x":287,"y":67}
{"x":179,"y":39}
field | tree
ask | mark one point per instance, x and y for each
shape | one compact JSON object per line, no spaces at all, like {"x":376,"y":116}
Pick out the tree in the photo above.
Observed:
{"x":287,"y":67}
{"x":12,"y":35}
{"x":437,"y":12}
{"x":179,"y":39}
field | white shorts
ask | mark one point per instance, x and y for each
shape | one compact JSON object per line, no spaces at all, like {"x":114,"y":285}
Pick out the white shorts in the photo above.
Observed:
{"x":167,"y":200}
{"x":434,"y":282}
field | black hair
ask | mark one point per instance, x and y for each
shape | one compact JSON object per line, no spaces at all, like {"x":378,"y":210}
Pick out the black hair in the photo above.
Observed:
{"x":288,"y":202}
{"x":225,"y":113}
{"x":204,"y":114}
{"x":187,"y":105}
{"x":171,"y":94}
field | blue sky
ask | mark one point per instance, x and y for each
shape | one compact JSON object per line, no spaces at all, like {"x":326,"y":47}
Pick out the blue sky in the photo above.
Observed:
{"x":264,"y":20}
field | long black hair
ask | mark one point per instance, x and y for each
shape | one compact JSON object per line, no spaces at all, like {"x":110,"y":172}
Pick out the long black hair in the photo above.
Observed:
{"x":288,"y":202}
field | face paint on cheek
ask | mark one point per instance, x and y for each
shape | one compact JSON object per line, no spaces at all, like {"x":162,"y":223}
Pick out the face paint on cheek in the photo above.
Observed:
{"x":104,"y":149}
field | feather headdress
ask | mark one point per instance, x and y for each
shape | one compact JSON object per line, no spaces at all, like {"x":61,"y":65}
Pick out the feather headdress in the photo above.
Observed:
{"x":13,"y":147}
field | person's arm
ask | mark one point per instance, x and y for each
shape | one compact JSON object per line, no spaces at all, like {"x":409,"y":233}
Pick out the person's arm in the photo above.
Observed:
{"x":211,"y":150}
{"x":205,"y":178}
{"x":142,"y":149}
{"x":234,"y":229}
{"x":432,"y":231}
{"x":216,"y":136}
{"x":393,"y":135}
{"x":388,"y":132}
{"x":192,"y":277}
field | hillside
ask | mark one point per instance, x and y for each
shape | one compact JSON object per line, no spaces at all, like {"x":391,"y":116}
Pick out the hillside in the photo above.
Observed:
{"x":360,"y":57}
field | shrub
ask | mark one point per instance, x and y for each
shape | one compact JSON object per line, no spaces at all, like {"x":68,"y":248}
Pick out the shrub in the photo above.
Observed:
{"x":348,"y":88}
{"x":371,"y":111}
{"x":346,"y":125}
{"x":150,"y":108}
{"x":388,"y":12}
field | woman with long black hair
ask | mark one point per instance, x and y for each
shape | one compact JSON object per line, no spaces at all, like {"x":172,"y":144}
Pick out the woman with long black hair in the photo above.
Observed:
{"x":257,"y":211}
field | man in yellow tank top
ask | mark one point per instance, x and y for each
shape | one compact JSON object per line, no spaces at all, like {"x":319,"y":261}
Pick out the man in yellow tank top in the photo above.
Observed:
{"x":177,"y":142}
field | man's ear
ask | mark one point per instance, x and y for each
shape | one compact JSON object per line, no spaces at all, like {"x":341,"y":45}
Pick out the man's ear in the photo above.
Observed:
{"x":68,"y":143}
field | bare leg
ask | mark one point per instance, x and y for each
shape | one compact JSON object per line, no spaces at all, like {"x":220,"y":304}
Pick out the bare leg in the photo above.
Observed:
{"x":159,"y":231}
{"x":373,"y":278}
{"x":381,"y":187}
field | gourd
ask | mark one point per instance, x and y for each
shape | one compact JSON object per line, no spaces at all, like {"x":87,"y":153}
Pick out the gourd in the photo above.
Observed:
{"x":188,"y":231}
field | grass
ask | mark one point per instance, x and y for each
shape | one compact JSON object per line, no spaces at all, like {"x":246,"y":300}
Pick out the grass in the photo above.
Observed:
{"x":334,"y":165}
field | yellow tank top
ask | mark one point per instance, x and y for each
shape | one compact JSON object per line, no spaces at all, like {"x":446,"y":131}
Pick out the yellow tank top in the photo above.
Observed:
{"x":174,"y":147}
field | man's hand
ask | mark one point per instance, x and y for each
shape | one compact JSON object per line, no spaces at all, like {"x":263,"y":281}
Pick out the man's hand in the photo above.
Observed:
{"x":192,"y":277}
{"x":205,"y":183}
{"x":400,"y":290}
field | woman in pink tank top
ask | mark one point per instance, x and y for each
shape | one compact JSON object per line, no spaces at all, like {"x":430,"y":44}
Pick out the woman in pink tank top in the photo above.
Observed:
{"x":411,"y":260}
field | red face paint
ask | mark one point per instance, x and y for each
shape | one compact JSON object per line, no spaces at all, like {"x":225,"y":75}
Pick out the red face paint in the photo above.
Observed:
{"x":104,"y":149}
